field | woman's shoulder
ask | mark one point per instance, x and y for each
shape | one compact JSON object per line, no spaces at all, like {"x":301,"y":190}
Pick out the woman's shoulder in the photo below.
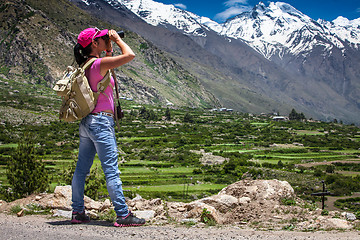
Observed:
{"x":96,"y":63}
{"x":94,"y":71}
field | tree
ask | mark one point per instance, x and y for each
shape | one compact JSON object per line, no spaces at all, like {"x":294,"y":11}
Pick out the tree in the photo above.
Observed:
{"x":293,"y":114}
{"x":330,"y":169}
{"x":280,"y":164}
{"x":24,"y":172}
{"x":147,"y":114}
{"x":296,"y":116}
{"x":188,"y":118}
{"x":168,"y":114}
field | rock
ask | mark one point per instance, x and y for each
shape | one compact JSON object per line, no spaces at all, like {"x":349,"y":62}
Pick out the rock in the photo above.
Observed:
{"x":260,"y":189}
{"x":61,"y":199}
{"x":21,"y":213}
{"x":334,"y":223}
{"x":156,"y":201}
{"x":181,"y":209}
{"x":138,"y":197}
{"x":189,"y":220}
{"x":62,"y":213}
{"x":147,"y":214}
{"x":91,"y":204}
{"x":139,"y":205}
{"x":105,"y":205}
{"x":93,"y":214}
{"x":63,"y":191}
{"x":244,"y":200}
{"x":195,"y":210}
{"x":350,"y":217}
{"x":221,"y":202}
{"x":38,"y":198}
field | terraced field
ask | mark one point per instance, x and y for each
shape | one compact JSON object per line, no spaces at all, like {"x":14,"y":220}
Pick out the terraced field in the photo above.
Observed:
{"x":162,"y":158}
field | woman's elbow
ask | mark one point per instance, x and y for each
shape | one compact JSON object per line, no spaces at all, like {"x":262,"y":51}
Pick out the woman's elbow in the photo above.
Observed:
{"x":132,"y":56}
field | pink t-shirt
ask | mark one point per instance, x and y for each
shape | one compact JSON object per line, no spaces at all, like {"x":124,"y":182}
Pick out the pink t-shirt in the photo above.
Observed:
{"x":94,"y":77}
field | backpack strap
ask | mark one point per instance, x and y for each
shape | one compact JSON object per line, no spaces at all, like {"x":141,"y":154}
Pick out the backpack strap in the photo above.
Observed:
{"x":104,"y":83}
{"x":86,"y":65}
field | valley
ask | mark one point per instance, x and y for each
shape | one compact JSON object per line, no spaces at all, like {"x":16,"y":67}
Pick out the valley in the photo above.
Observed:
{"x":171,"y":145}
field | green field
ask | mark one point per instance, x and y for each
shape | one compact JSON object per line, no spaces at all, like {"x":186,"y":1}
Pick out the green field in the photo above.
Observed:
{"x":162,"y":158}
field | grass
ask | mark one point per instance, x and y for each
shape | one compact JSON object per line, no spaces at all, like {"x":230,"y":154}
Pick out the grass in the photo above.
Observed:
{"x":178,"y":187}
{"x":10,"y":145}
{"x":308,"y":132}
{"x":30,"y":209}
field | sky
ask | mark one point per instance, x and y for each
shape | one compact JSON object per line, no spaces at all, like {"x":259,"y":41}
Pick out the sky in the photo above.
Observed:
{"x":220,"y":10}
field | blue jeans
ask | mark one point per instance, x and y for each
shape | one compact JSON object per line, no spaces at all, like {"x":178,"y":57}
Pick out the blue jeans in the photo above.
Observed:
{"x":97,"y":135}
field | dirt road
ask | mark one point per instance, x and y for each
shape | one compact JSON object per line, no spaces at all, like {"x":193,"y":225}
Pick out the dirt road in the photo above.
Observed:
{"x":43,"y":227}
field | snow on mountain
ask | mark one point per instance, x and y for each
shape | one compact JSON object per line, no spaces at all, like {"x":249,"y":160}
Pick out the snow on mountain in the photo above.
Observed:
{"x":346,"y":30}
{"x":277,"y":29}
{"x":156,"y":13}
{"x":280,"y":28}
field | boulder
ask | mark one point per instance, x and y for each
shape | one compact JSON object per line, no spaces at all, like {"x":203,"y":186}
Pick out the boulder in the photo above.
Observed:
{"x":196,"y":210}
{"x":244,"y":200}
{"x":333,"y":223}
{"x":274,"y":190}
{"x":61,"y":199}
{"x":221,"y":202}
{"x":146,"y":214}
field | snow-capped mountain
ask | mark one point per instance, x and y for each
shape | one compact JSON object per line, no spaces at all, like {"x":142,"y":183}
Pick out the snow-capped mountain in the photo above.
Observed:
{"x":272,"y":52}
{"x":156,"y":13}
{"x":280,"y":29}
{"x":276,"y":29}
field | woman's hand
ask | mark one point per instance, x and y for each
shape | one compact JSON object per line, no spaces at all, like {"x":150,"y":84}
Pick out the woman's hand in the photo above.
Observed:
{"x":116,"y":61}
{"x":113,"y":35}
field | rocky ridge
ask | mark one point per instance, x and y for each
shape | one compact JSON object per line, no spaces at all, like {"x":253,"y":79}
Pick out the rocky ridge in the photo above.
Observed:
{"x":248,"y":203}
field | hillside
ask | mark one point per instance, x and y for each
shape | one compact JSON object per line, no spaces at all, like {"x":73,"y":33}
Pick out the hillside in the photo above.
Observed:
{"x":36,"y":45}
{"x":270,"y":59}
{"x":211,"y":60}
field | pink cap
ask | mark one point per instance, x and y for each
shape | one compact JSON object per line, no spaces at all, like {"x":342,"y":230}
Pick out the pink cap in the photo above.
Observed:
{"x":87,"y":35}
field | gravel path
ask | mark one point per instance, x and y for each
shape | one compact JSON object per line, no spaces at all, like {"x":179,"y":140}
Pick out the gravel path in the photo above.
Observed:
{"x":43,"y":227}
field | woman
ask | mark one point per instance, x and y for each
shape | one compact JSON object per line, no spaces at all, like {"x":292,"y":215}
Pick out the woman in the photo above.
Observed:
{"x":97,"y":134}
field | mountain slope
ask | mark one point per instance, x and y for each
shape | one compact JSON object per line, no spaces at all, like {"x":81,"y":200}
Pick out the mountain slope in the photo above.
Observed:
{"x":324,"y":54}
{"x":37,"y":44}
{"x":313,"y":65}
{"x":233,"y":90}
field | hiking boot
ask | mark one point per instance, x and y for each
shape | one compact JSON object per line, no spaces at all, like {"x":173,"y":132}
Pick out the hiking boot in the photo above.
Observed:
{"x":129,"y":221}
{"x":80,"y":217}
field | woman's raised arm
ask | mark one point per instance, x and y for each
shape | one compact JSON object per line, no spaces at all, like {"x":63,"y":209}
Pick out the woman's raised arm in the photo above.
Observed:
{"x":116,"y":61}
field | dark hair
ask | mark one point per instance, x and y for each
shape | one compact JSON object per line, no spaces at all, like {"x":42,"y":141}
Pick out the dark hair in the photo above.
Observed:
{"x":81,"y":54}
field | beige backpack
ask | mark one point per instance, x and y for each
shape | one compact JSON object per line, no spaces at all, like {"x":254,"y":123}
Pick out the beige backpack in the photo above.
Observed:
{"x":78,"y":100}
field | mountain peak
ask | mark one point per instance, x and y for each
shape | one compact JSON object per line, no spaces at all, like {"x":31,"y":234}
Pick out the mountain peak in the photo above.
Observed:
{"x":284,"y":7}
{"x":341,"y":21}
{"x":344,"y":22}
{"x":261,"y":6}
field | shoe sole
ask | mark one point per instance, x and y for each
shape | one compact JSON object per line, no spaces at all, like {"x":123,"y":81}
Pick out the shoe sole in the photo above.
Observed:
{"x":128,"y":225}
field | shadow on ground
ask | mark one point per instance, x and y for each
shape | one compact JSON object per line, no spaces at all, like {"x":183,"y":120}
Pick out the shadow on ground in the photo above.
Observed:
{"x":92,"y":222}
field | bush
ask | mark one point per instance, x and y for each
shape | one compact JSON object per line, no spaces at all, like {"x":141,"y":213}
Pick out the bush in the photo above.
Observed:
{"x":351,"y":204}
{"x":24,"y":172}
{"x":93,"y":183}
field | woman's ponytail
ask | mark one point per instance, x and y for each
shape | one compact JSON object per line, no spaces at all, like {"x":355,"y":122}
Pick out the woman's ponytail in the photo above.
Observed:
{"x":81,"y":54}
